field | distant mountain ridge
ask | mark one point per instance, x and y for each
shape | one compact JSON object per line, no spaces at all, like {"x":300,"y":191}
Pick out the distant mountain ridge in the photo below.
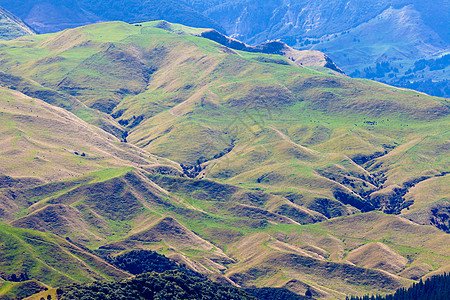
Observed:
{"x":379,"y":40}
{"x":356,"y":34}
{"x":12,"y":27}
{"x":278,"y":19}
{"x":54,"y":15}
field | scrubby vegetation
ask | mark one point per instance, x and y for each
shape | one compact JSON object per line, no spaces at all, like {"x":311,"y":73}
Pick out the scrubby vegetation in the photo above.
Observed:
{"x":434,"y":288}
{"x":144,"y":261}
{"x":278,"y":294}
{"x":168,"y":285}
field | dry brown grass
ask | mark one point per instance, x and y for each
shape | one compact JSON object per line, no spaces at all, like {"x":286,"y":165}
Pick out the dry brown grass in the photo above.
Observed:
{"x":377,"y":256}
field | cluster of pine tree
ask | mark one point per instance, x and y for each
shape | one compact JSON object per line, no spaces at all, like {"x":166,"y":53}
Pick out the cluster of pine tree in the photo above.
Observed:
{"x":168,"y":285}
{"x":435,"y":288}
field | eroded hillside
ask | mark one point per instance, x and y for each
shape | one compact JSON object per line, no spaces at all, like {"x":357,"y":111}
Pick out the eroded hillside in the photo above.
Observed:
{"x":256,"y":169}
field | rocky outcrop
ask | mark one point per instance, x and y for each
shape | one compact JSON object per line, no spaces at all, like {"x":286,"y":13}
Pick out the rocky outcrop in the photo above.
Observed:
{"x":301,"y":58}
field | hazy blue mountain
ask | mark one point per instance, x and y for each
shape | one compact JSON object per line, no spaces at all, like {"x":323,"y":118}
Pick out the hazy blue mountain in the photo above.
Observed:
{"x":252,"y":21}
{"x":50,"y":16}
{"x":12,"y":27}
{"x":356,"y":34}
{"x":361,"y":36}
{"x":55,"y":15}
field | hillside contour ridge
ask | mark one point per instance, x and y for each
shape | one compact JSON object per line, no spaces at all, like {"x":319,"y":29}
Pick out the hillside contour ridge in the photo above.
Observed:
{"x":262,"y":168}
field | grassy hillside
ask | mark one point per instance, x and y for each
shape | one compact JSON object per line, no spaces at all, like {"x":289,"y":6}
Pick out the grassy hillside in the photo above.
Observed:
{"x":232,"y":234}
{"x":14,"y":290}
{"x":254,"y":119}
{"x":46,"y":260}
{"x":48,"y":143}
{"x":255,"y":169}
{"x":12,"y":27}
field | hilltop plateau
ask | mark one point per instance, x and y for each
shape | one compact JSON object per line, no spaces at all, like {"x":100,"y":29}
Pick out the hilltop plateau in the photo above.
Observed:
{"x":400,"y":42}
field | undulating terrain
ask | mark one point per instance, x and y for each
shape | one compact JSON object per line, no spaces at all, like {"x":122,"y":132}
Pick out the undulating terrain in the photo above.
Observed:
{"x":12,"y":27}
{"x":393,"y":41}
{"x":257,"y":166}
{"x":54,"y":15}
{"x":400,"y":42}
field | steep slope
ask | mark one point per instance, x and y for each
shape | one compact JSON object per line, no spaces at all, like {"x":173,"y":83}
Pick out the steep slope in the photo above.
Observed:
{"x":346,"y":140}
{"x":12,"y":27}
{"x":431,"y":203}
{"x":48,"y":143}
{"x":357,"y":35}
{"x":49,"y":259}
{"x":252,"y":168}
{"x":34,"y":90}
{"x":13,"y":290}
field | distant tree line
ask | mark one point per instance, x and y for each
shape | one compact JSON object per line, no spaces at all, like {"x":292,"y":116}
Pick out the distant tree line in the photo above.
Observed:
{"x":278,"y":294}
{"x":434,"y":64}
{"x":435,"y":88}
{"x":435,"y":288}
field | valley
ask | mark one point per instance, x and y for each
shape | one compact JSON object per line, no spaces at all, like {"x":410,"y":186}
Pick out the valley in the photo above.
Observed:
{"x":258,"y":166}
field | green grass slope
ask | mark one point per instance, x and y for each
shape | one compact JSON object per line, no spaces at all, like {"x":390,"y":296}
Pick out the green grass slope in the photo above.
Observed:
{"x":14,"y":290}
{"x":92,"y":209}
{"x":49,"y":259}
{"x":235,"y":235}
{"x":12,"y":27}
{"x":67,"y":102}
{"x":431,"y":201}
{"x":248,"y":167}
{"x":48,"y":143}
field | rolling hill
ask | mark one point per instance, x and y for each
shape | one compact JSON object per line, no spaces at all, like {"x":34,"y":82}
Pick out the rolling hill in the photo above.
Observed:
{"x":51,"y":16}
{"x":258,"y":167}
{"x":51,"y":259}
{"x":388,"y":41}
{"x":12,"y":27}
{"x":382,"y":40}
